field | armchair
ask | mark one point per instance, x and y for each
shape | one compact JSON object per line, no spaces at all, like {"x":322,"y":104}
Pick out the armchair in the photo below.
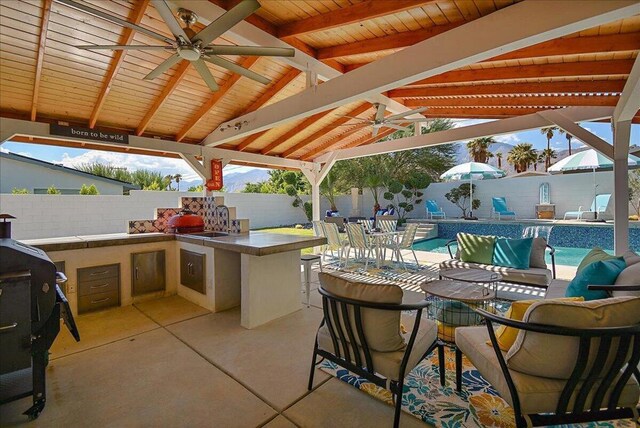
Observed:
{"x":360,"y":331}
{"x":589,"y":378}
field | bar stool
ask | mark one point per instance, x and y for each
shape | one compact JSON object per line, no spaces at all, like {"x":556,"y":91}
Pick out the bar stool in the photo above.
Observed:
{"x":307,"y":260}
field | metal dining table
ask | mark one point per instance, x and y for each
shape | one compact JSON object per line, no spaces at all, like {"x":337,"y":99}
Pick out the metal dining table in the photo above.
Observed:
{"x":379,"y":240}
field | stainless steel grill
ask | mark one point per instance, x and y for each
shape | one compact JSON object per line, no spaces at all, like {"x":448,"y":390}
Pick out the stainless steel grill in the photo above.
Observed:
{"x":31,"y":305}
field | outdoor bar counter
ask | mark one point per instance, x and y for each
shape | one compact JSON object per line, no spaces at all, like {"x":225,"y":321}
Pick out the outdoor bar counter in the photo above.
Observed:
{"x":258,"y":271}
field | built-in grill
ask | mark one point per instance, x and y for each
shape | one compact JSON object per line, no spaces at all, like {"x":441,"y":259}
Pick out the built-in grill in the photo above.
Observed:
{"x":31,"y":305}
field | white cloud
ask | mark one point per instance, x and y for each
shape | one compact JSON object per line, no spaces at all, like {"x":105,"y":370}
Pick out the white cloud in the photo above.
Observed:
{"x":3,"y":150}
{"x":459,"y":123}
{"x":133,"y":162}
{"x":508,"y":138}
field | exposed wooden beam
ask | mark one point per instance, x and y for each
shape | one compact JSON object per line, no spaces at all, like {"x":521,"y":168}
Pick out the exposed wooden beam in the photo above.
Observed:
{"x":171,"y":85}
{"x":42,"y":42}
{"x":322,"y":132}
{"x":420,"y":62}
{"x":365,"y":139}
{"x":275,"y":89}
{"x":214,"y":99}
{"x":581,"y":87}
{"x":463,"y":133}
{"x":348,"y":15}
{"x":629,"y":103}
{"x":481,"y":112}
{"x":567,"y":69}
{"x":555,"y":117}
{"x":116,"y":62}
{"x":526,"y":101}
{"x":294,"y":131}
{"x":332,"y":142}
{"x":562,"y":46}
{"x":392,"y":41}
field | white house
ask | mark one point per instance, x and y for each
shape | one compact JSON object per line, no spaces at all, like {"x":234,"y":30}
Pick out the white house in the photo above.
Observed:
{"x":22,"y":172}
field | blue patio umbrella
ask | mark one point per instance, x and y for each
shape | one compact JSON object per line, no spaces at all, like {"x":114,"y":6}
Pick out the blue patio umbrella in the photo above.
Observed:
{"x":472,"y":171}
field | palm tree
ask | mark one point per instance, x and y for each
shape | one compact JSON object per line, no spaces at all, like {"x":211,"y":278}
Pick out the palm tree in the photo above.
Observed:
{"x":548,"y":154}
{"x":168,"y":179}
{"x":549,"y":132}
{"x":479,"y":149}
{"x":569,"y":137}
{"x":178,"y":179}
{"x":521,"y":156}
{"x":499,"y":157}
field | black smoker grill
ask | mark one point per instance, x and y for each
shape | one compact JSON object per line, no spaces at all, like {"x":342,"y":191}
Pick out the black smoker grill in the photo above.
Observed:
{"x":31,"y":305}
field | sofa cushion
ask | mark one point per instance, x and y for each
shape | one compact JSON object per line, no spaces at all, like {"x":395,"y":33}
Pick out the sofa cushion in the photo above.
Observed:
{"x":536,"y":394}
{"x":530,"y":353}
{"x":388,"y":363}
{"x":476,"y":248}
{"x":597,"y":273}
{"x":532,"y":276}
{"x":631,"y":258}
{"x":629,"y":276}
{"x":506,"y":336}
{"x":538,"y":249}
{"x":557,"y":288}
{"x":595,"y":255}
{"x":513,"y":253}
{"x":382,"y":328}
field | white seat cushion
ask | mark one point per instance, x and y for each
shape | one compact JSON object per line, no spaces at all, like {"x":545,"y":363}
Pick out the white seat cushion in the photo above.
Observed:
{"x":388,"y":363}
{"x":556,"y":289}
{"x":536,"y":394}
{"x":532,"y":276}
{"x":629,"y":276}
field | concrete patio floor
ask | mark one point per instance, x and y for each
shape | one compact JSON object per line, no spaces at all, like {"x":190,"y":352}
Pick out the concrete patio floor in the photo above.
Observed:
{"x":168,"y":362}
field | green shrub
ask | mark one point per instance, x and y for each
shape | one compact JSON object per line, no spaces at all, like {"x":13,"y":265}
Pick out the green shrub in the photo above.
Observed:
{"x":89,"y":190}
{"x":17,"y":191}
{"x":52,"y":190}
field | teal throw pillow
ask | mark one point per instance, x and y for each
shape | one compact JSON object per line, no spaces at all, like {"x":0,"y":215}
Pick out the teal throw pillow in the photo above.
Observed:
{"x":597,"y":273}
{"x":512,"y":253}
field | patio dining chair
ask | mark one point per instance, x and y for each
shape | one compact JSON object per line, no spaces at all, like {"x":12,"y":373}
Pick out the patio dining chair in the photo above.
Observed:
{"x":433,"y":210}
{"x":387,"y":225}
{"x":360,"y":243}
{"x":500,"y":208}
{"x":361,"y":332}
{"x":318,"y":230}
{"x":404,"y":243}
{"x":335,"y":242}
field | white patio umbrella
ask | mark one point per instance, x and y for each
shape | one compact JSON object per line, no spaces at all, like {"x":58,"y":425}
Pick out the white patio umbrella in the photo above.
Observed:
{"x":589,"y":160}
{"x":472,"y":171}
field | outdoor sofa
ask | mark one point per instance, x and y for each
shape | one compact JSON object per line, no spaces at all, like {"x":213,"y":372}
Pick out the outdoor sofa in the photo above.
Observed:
{"x":538,"y":274}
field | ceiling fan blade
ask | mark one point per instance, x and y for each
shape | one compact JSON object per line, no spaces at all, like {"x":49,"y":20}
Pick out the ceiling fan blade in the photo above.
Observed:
{"x":406,"y":120}
{"x":375,"y":131}
{"x":221,"y":25}
{"x":394,"y":126}
{"x":115,"y":20}
{"x":249,"y":51}
{"x":406,"y":113}
{"x":380,"y":113}
{"x":168,"y":17}
{"x":205,"y":74}
{"x":164,"y":66}
{"x":231,"y":66}
{"x":123,"y":47}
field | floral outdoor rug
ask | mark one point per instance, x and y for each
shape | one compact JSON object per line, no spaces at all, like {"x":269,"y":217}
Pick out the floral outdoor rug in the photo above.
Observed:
{"x":477,"y":405}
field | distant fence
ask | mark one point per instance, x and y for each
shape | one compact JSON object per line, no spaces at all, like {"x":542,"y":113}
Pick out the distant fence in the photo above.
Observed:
{"x":44,"y":216}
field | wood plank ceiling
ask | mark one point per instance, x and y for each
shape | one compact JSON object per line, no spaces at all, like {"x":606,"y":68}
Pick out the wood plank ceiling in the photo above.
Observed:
{"x":44,"y":77}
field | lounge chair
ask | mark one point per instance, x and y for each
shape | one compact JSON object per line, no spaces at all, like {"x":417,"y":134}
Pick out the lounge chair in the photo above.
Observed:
{"x":433,"y":210}
{"x":500,"y":208}
{"x":599,"y":205}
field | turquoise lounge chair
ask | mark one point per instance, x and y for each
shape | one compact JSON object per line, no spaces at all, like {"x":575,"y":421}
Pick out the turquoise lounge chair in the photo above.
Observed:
{"x":500,"y":208}
{"x":599,"y":205}
{"x":433,"y":210}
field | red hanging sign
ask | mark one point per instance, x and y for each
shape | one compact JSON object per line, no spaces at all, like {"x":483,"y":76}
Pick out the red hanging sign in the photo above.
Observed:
{"x":216,"y":176}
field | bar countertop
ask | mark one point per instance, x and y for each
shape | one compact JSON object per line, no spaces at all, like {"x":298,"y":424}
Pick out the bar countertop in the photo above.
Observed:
{"x":253,"y":243}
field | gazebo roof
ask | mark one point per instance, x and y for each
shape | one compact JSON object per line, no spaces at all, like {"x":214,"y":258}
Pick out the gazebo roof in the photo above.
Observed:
{"x":44,"y":77}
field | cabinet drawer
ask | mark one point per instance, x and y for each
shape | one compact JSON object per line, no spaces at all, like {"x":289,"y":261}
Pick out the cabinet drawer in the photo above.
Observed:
{"x":97,"y":301}
{"x":106,"y":285}
{"x":98,"y":272}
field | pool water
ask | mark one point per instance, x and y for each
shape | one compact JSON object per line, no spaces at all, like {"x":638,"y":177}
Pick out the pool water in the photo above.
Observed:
{"x":567,"y":256}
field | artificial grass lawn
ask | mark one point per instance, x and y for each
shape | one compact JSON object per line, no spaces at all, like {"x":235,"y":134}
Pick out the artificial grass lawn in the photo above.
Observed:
{"x":292,"y":231}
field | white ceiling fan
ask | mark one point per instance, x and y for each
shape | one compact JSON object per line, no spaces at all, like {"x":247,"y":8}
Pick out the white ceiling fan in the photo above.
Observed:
{"x":192,"y":46}
{"x":380,"y":121}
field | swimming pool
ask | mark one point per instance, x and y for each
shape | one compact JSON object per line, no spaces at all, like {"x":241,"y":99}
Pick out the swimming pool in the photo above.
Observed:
{"x":567,"y":256}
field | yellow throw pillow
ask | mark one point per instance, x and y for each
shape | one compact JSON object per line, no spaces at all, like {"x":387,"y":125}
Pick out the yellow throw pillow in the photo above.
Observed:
{"x":506,"y":336}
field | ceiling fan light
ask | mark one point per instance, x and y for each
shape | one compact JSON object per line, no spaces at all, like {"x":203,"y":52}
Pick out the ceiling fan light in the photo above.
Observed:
{"x":190,"y":53}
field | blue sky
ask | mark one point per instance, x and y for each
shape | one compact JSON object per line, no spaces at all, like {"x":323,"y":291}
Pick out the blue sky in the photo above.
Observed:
{"x":73,"y":157}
